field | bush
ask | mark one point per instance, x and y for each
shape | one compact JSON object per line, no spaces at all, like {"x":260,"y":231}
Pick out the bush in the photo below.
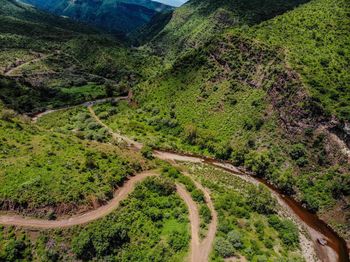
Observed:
{"x":288,"y":232}
{"x":261,"y":201}
{"x":178,"y":241}
{"x":147,"y":152}
{"x":198,"y":195}
{"x":93,"y":126}
{"x":91,"y":243}
{"x":224,"y":248}
{"x":298,"y":153}
{"x":258,"y":162}
{"x":235,"y":238}
{"x":7,"y":114}
{"x":103,"y":115}
{"x":205,"y":213}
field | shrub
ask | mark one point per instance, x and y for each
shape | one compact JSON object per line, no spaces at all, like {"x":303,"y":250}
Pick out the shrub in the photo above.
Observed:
{"x":198,"y":195}
{"x":178,"y":241}
{"x":260,"y":200}
{"x":103,"y":115}
{"x":190,"y":133}
{"x":91,"y":243}
{"x":258,"y":162}
{"x":235,"y":238}
{"x":224,"y":248}
{"x":147,"y":152}
{"x":288,"y":232}
{"x":93,"y":126}
{"x":298,"y":153}
{"x":205,"y":213}
{"x":7,"y":114}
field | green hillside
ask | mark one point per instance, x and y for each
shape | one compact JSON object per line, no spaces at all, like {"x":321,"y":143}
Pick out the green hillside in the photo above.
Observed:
{"x":52,"y":61}
{"x":316,"y":40}
{"x":263,"y":85}
{"x":121,"y":16}
{"x":46,"y":173}
{"x":250,"y":95}
{"x":197,"y":21}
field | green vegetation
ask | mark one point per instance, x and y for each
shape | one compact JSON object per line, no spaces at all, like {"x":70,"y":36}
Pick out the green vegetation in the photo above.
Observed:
{"x":14,"y":245}
{"x":116,"y":16}
{"x":197,"y":22}
{"x":77,"y":121}
{"x":53,"y":61}
{"x":248,"y":223}
{"x":196,"y":194}
{"x":258,"y":94}
{"x":49,"y":171}
{"x":262,"y":84}
{"x":151,"y":225}
{"x":315,"y":37}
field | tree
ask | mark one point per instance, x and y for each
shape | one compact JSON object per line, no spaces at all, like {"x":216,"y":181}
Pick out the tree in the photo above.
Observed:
{"x":190,"y":133}
{"x":235,"y":238}
{"x":224,"y":248}
{"x":109,"y":89}
{"x":261,"y":201}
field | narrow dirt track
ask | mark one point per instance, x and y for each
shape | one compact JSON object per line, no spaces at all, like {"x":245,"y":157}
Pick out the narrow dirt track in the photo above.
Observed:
{"x":200,"y":250}
{"x":87,"y":104}
{"x":326,"y":253}
{"x":115,"y":135}
{"x":9,"y":72}
{"x":206,"y":245}
{"x":194,"y":221}
{"x":100,"y":212}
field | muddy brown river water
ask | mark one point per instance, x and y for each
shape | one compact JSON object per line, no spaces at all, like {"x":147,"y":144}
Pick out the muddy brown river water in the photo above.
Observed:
{"x":335,"y":248}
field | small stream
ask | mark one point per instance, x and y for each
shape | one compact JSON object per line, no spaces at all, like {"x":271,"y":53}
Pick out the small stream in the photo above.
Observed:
{"x":334,"y":250}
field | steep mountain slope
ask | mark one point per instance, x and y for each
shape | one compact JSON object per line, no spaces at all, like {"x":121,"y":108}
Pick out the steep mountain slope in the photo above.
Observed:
{"x":253,"y":95}
{"x":197,"y":21}
{"x":115,"y":16}
{"x":51,"y":61}
{"x":316,"y":39}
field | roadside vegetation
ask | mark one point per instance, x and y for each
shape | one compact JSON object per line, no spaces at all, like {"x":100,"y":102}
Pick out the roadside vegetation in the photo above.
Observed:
{"x":196,"y":194}
{"x":77,"y":121}
{"x":151,"y":225}
{"x":248,"y":222}
{"x":48,"y":173}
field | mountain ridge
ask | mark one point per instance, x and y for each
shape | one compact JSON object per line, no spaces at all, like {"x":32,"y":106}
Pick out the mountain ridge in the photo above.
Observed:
{"x":113,"y":16}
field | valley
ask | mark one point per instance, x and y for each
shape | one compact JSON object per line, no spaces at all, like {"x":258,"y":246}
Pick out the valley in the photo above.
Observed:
{"x":214,"y":131}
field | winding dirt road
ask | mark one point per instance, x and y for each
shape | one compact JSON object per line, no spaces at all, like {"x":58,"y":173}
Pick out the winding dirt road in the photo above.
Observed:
{"x":200,"y":250}
{"x":325,"y":253}
{"x":116,"y":136}
{"x":10,"y":72}
{"x":85,"y":218}
{"x":88,"y":104}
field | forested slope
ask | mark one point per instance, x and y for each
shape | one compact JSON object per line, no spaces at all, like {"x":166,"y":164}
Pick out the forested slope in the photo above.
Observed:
{"x":121,"y":16}
{"x":267,"y":94}
{"x":54,"y":61}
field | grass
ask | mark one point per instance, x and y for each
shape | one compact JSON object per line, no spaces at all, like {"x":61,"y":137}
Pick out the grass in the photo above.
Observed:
{"x":76,"y":120}
{"x":48,"y":170}
{"x":90,"y":90}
